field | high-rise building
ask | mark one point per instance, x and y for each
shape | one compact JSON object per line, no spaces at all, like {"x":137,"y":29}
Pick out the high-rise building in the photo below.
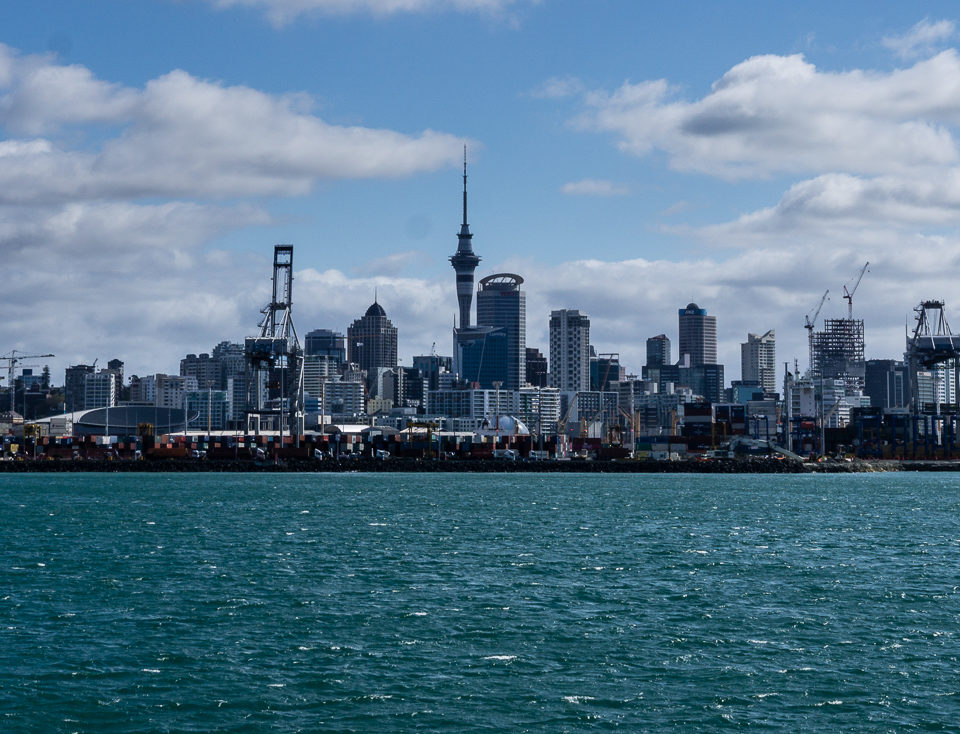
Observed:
{"x":658,"y":351}
{"x":325,"y":343}
{"x":537,"y":369}
{"x":431,"y":366}
{"x":464,"y":261}
{"x":605,"y":369}
{"x":569,"y":350}
{"x":231,"y":359}
{"x":73,"y":386}
{"x":171,"y":390}
{"x":480,"y":355}
{"x":758,"y":360}
{"x":501,"y":303}
{"x":372,"y":341}
{"x":100,"y":389}
{"x":886,"y":383}
{"x":207,"y":409}
{"x":203,"y":367}
{"x":838,"y":352}
{"x":698,"y":336}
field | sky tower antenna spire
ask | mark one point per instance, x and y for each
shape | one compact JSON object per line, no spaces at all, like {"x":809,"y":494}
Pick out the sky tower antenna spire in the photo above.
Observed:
{"x":465,"y":186}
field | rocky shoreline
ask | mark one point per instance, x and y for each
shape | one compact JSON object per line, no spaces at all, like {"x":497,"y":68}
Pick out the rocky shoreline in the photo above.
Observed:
{"x":618,"y":466}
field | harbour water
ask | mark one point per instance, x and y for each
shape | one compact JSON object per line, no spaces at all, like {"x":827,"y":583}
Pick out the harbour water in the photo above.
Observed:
{"x":399,"y":602}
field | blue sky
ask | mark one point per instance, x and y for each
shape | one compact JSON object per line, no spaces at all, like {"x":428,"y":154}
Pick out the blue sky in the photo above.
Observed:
{"x":625,"y":158}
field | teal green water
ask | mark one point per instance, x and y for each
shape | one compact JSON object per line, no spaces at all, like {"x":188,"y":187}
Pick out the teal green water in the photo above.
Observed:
{"x":380,"y":603}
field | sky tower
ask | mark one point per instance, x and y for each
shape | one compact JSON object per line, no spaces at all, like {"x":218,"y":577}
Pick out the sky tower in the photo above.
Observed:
{"x":464,"y":261}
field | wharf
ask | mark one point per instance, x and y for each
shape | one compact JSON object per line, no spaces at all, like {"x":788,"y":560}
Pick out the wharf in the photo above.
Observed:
{"x":364,"y":464}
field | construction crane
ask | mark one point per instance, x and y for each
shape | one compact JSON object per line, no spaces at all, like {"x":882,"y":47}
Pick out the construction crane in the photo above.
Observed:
{"x":848,"y":294}
{"x":13,"y":359}
{"x":809,"y":323}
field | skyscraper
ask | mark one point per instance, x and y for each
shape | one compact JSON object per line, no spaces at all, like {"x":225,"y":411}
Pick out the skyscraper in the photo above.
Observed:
{"x":758,"y":360}
{"x":537,"y":369}
{"x":325,"y":343}
{"x":464,"y":260}
{"x":698,"y":336}
{"x":570,"y":350}
{"x":658,"y":351}
{"x":501,"y":303}
{"x":372,"y":341}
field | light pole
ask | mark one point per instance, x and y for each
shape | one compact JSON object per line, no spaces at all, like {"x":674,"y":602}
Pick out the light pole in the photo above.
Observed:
{"x":496,"y":408}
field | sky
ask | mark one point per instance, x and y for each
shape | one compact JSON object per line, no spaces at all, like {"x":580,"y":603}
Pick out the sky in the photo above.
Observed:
{"x":626,"y":158}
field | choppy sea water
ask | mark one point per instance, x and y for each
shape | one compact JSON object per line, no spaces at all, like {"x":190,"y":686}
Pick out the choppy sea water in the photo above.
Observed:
{"x":380,"y":603}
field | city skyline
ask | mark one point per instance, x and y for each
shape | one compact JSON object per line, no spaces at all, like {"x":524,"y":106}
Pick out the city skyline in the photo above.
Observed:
{"x":151,"y":163}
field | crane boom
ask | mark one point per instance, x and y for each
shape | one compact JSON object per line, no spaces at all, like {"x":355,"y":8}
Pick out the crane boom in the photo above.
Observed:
{"x":848,"y":294}
{"x":808,"y":325}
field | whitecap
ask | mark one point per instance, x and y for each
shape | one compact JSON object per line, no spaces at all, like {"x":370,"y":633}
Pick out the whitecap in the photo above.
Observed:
{"x":504,"y":658}
{"x":150,"y":670}
{"x":577,"y":699}
{"x":276,"y":685}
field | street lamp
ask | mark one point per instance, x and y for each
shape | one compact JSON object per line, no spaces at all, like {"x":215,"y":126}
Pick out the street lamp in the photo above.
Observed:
{"x":496,"y":408}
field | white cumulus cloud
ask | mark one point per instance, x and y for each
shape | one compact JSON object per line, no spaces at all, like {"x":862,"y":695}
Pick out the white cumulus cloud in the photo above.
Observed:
{"x":281,"y":12}
{"x":594,"y":187}
{"x":110,"y":196}
{"x":780,"y":114}
{"x":922,"y":39}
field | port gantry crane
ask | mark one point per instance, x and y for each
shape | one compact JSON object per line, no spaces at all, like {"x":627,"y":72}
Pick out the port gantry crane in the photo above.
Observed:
{"x":13,"y":359}
{"x":808,"y":325}
{"x":848,"y":294}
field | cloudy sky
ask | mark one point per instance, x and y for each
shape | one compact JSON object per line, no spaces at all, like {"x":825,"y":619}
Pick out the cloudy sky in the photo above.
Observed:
{"x":626,"y":158}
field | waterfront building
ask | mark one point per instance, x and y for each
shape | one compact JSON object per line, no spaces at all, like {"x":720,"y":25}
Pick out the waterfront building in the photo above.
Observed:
{"x":372,"y":342}
{"x":501,"y":304}
{"x":698,"y":336}
{"x":337,"y":396}
{"x":758,"y":360}
{"x":569,"y":350}
{"x":539,"y":408}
